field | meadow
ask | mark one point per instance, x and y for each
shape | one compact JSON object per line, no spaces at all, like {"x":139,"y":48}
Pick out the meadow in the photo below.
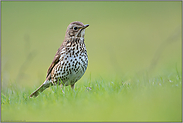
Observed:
{"x":135,"y":61}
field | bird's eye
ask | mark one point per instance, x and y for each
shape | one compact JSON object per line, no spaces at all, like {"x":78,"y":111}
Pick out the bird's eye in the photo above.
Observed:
{"x":75,"y":28}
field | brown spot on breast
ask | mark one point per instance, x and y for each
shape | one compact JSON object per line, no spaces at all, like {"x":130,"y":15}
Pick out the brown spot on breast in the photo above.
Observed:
{"x":77,"y":47}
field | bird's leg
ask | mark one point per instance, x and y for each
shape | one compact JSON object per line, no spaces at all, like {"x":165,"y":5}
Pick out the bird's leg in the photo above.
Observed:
{"x":61,"y":85}
{"x":72,"y":86}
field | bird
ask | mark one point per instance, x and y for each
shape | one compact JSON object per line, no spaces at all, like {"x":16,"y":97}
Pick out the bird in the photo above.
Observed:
{"x":70,"y":61}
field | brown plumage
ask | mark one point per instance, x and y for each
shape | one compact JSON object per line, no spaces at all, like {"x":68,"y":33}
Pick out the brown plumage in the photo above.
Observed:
{"x":70,"y":61}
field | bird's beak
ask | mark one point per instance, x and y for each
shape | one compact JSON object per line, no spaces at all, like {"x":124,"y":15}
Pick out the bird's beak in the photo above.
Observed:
{"x":85,"y":26}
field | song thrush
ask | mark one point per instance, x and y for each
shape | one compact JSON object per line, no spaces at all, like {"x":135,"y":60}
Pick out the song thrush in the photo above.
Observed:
{"x":70,"y":61}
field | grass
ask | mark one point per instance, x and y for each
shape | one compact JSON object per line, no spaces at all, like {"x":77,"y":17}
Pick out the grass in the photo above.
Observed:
{"x":137,"y":99}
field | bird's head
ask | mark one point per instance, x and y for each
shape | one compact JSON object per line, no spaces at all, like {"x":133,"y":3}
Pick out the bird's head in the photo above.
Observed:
{"x":76,"y":29}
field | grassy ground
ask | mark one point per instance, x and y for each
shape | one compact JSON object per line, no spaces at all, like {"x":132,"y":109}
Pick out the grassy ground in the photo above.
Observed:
{"x":134,"y":69}
{"x":145,"y":99}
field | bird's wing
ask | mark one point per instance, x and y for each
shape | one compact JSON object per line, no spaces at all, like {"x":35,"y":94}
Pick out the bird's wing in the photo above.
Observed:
{"x":55,"y":61}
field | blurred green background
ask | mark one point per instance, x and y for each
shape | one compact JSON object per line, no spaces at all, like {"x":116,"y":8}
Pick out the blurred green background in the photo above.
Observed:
{"x":134,"y":69}
{"x":123,"y":38}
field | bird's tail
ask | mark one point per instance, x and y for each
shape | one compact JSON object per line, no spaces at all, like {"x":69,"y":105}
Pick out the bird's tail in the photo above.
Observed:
{"x":45,"y":85}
